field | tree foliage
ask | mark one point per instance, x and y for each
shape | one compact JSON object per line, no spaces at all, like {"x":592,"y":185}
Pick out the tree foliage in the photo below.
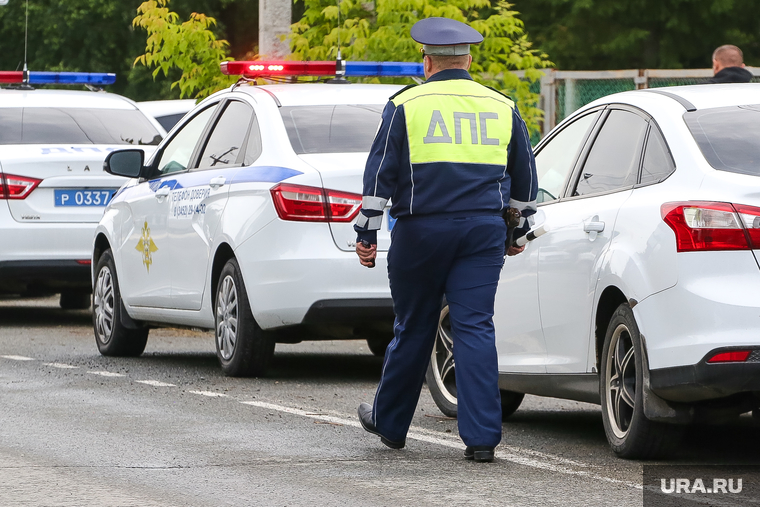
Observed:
{"x":191,"y":47}
{"x":670,"y":34}
{"x":380,"y":32}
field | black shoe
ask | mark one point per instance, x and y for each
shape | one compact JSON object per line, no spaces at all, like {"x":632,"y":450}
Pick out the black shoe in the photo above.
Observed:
{"x":479,"y":453}
{"x":365,"y":417}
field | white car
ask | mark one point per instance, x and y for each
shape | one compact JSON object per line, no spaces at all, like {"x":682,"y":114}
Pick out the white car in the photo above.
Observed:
{"x":167,"y":112}
{"x":242,"y":222}
{"x":643,"y":294}
{"x":52,"y":186}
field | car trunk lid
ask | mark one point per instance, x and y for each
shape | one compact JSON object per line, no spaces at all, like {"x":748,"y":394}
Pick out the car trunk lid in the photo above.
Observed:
{"x":344,"y":172}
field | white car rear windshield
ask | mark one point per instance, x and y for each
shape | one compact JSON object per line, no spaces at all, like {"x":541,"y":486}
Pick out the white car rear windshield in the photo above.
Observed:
{"x":47,"y":125}
{"x":331,"y":129}
{"x":729,"y":137}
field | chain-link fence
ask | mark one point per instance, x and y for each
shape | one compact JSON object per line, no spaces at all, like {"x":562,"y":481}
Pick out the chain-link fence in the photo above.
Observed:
{"x":562,"y":92}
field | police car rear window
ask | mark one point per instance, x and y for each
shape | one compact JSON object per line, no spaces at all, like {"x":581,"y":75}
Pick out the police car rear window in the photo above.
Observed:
{"x":729,"y":137}
{"x":43,"y":125}
{"x":331,"y":129}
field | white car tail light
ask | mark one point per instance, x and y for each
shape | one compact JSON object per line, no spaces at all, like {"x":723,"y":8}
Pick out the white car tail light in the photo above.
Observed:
{"x":16,"y":187}
{"x":312,"y":204}
{"x":703,"y":226}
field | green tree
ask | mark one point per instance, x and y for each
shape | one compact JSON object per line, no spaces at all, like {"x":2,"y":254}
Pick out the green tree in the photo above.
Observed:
{"x":381,"y":33}
{"x":191,"y":47}
{"x":610,"y":34}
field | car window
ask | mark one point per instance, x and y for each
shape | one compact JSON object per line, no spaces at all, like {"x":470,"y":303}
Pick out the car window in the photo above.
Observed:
{"x":728,"y":137}
{"x":226,"y":140}
{"x":555,"y":160}
{"x":169,"y":120}
{"x":176,"y":154}
{"x":254,"y":148}
{"x":53,"y":125}
{"x":331,"y":129}
{"x":613,"y":161}
{"x":658,"y":163}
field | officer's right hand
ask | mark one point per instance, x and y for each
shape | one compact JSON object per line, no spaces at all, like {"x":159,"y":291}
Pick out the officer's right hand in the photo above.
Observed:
{"x":514,"y":250}
{"x":366,"y":255}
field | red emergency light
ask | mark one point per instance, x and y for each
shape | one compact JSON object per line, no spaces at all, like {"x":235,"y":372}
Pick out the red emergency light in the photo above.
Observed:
{"x":273,"y":68}
{"x":265,"y":68}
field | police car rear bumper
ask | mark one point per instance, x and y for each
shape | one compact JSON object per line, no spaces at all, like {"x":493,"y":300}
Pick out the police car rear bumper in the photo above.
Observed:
{"x":43,"y":276}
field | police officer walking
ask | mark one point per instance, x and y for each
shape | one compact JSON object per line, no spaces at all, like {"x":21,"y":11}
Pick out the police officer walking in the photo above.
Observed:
{"x":452,"y":156}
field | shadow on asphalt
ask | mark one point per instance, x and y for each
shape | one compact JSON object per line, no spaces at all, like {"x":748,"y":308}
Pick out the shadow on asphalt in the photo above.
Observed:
{"x":43,"y":316}
{"x":326,"y":367}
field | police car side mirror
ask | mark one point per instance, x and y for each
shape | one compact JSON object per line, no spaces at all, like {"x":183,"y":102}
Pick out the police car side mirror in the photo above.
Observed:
{"x":127,"y":163}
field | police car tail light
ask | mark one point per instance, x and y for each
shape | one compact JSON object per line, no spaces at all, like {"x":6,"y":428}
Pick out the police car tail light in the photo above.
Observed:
{"x":313,"y":204}
{"x":733,"y":356}
{"x":17,"y":187}
{"x":711,"y":226}
{"x":343,"y":206}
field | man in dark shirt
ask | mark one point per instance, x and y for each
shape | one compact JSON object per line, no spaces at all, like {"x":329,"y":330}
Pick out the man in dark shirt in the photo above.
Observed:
{"x":728,"y":66}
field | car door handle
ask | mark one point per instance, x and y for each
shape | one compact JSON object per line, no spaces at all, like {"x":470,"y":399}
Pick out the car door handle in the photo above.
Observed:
{"x":162,"y":192}
{"x":593,"y":226}
{"x":217,"y":182}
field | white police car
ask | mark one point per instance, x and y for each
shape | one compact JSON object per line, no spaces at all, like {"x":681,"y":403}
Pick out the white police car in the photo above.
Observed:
{"x":643,"y":294}
{"x":242,"y":222}
{"x":52,"y":186}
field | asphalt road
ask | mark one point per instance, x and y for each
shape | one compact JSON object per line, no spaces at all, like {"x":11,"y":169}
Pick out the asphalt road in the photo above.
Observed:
{"x":168,"y":429}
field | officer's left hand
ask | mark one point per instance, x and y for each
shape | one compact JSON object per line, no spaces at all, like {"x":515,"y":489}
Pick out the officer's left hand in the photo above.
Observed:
{"x":514,"y":250}
{"x":366,"y":255}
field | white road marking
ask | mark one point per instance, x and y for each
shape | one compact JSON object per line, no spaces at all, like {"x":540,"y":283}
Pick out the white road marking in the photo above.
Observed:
{"x":155,"y":383}
{"x":105,"y":373}
{"x":61,"y":365}
{"x":210,"y":394}
{"x":18,"y":358}
{"x":508,"y":453}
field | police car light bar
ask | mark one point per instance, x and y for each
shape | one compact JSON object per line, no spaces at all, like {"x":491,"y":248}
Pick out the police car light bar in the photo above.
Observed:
{"x":66,"y":78}
{"x":273,"y":68}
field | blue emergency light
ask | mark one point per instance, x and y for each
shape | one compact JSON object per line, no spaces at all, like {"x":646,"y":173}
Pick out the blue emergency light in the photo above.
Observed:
{"x":385,"y":69}
{"x":271,"y":68}
{"x":64,"y":78}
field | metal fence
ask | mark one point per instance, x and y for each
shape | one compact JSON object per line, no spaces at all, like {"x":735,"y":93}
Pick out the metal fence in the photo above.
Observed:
{"x":562,"y":92}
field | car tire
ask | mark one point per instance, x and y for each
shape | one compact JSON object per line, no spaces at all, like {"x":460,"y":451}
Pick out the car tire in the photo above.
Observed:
{"x":441,"y":374}
{"x":111,"y":336}
{"x":510,"y":402}
{"x":630,"y":434}
{"x":75,"y":300}
{"x":242,"y":347}
{"x":378,"y":345}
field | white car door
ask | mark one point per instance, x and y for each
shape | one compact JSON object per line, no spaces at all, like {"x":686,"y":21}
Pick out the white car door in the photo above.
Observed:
{"x":148,"y":256}
{"x":519,"y":337}
{"x":197,"y":207}
{"x":581,"y":227}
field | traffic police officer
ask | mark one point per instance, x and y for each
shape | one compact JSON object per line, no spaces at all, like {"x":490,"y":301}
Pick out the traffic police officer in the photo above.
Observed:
{"x":452,"y":156}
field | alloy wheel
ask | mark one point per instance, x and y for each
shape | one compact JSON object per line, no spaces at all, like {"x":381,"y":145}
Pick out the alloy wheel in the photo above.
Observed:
{"x":620,"y":378}
{"x":103,"y":305}
{"x":227,"y":318}
{"x":442,"y":360}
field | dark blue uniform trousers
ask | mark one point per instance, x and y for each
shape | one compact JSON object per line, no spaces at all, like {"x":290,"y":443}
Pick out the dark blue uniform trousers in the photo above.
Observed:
{"x":461,"y":258}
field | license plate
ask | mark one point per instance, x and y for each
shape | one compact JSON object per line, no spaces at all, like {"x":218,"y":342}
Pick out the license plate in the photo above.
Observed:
{"x":83,"y":197}
{"x":391,"y":222}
